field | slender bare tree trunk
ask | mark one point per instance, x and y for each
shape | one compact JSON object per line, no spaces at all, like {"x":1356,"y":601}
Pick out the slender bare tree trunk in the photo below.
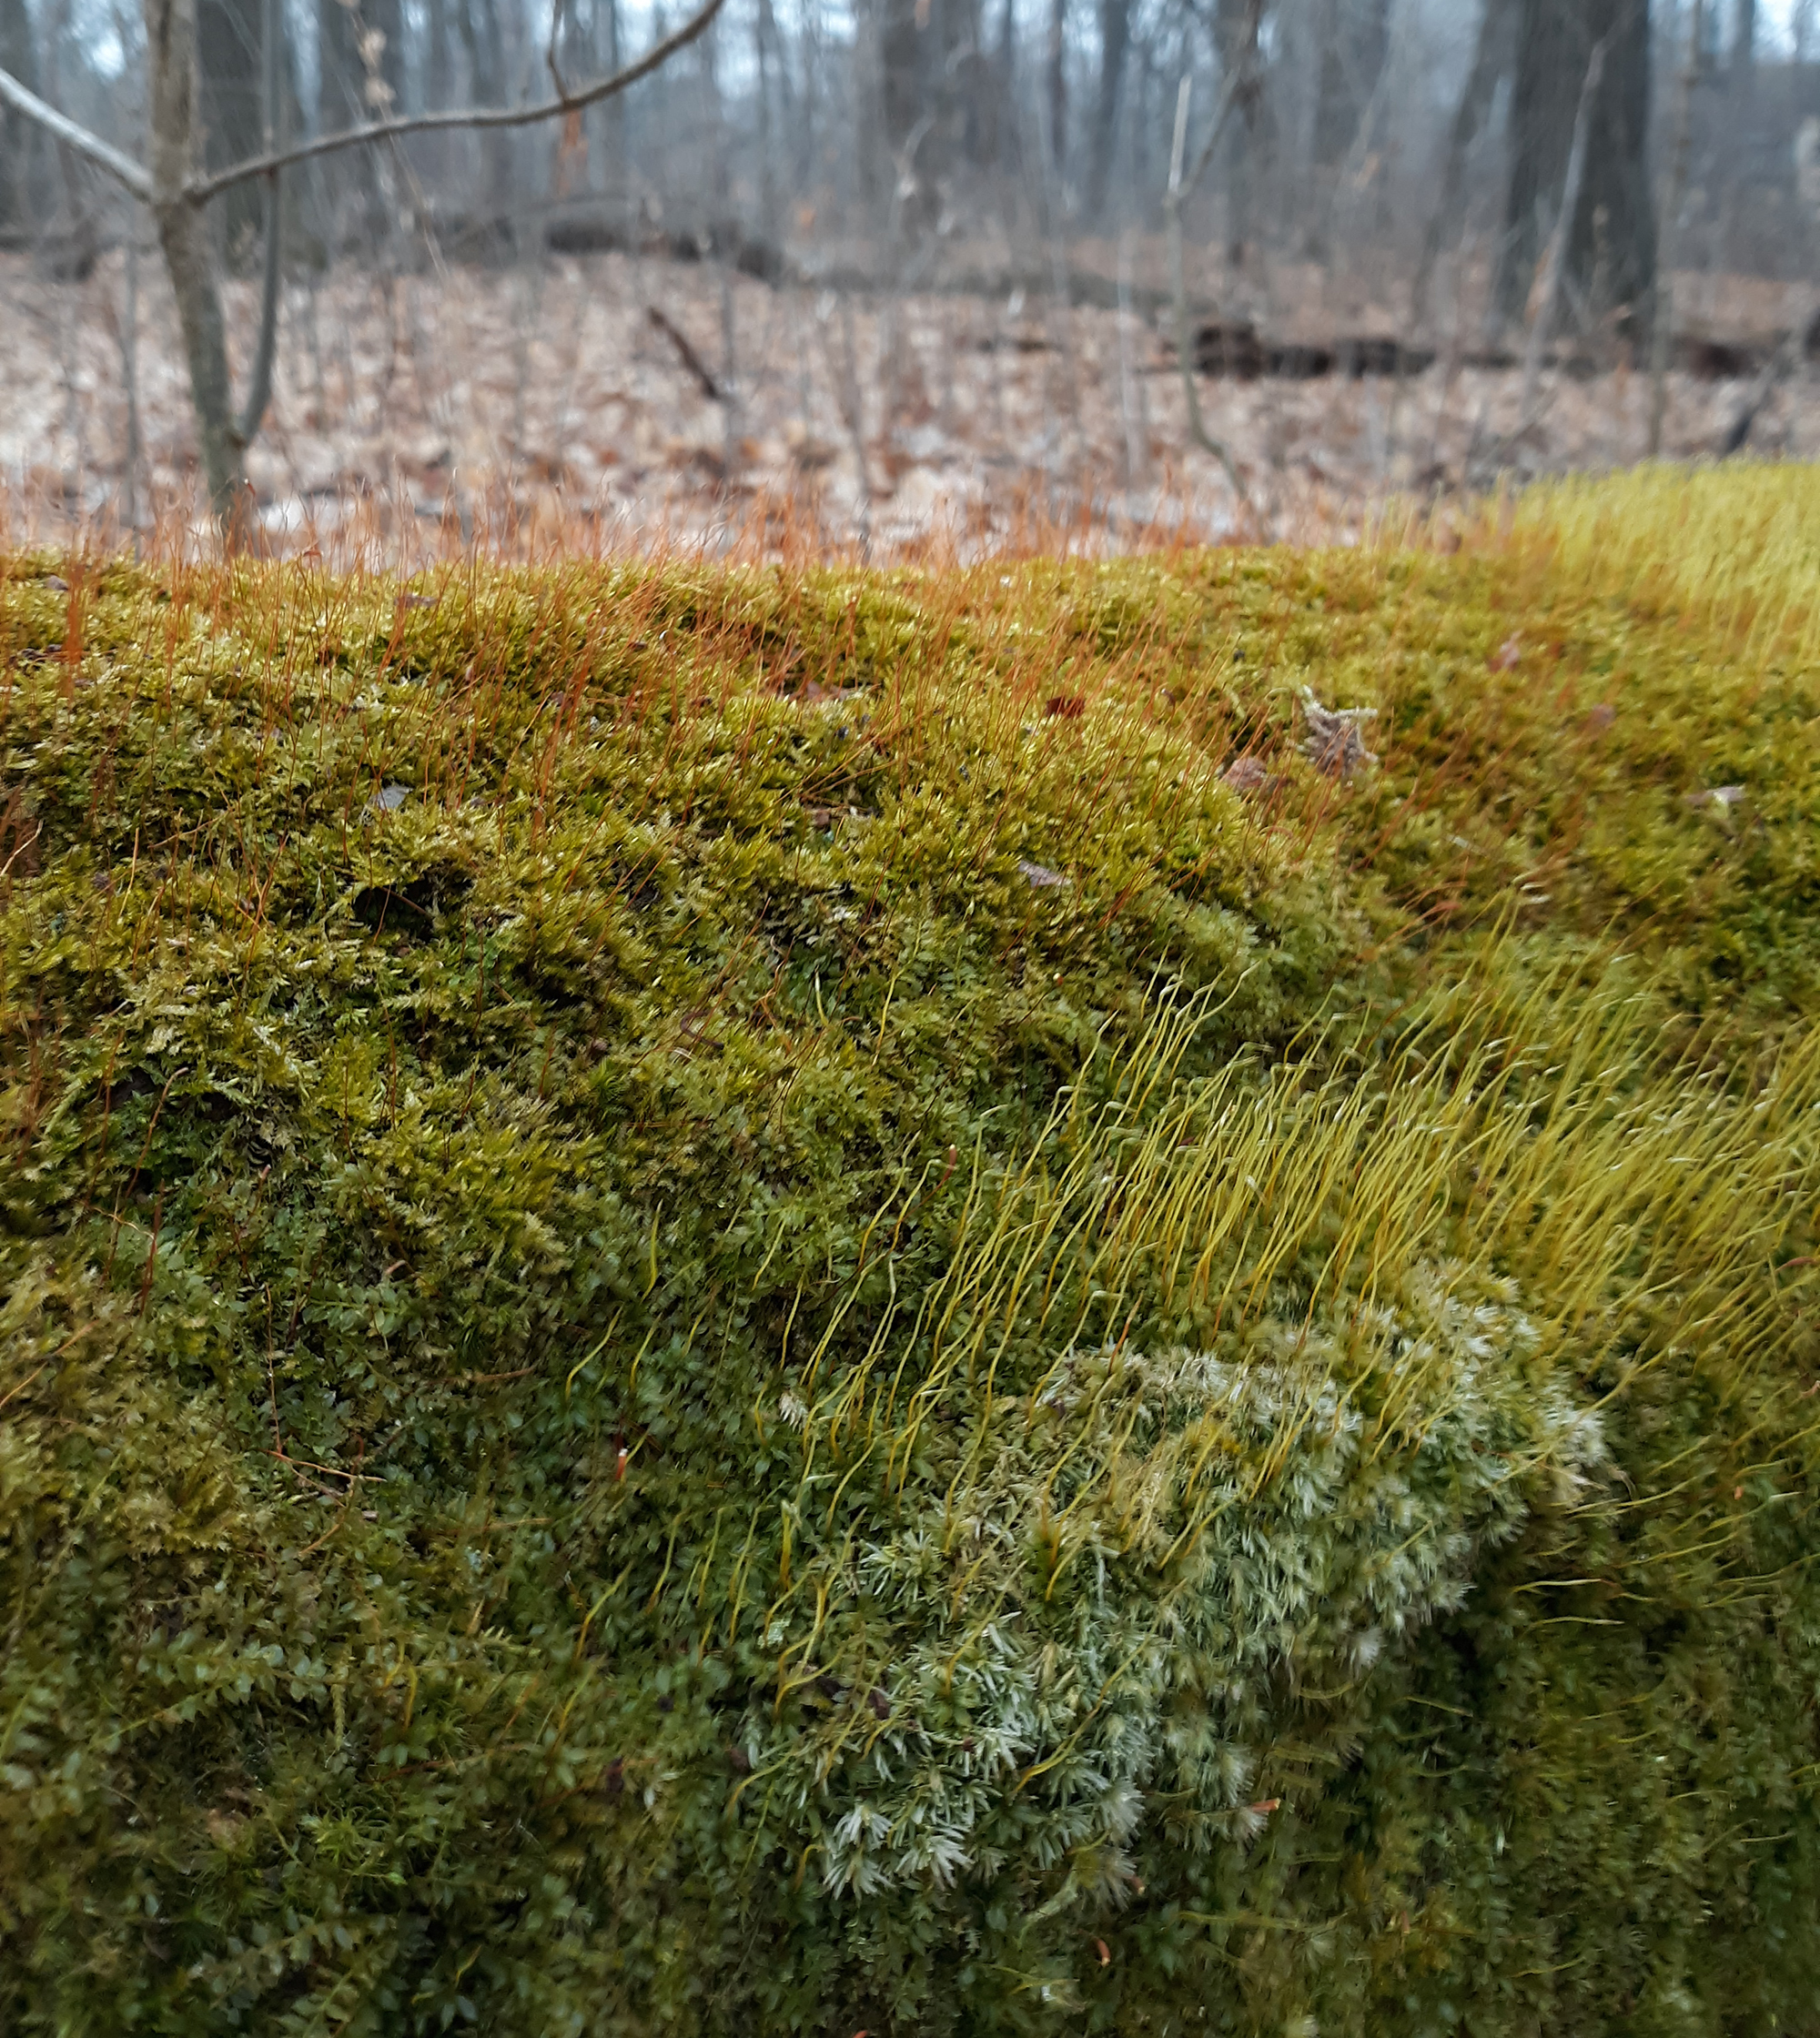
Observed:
{"x":1056,"y":85}
{"x":1660,"y":335}
{"x":1115,"y":47}
{"x":170,"y":53}
{"x":229,"y":40}
{"x":18,"y":54}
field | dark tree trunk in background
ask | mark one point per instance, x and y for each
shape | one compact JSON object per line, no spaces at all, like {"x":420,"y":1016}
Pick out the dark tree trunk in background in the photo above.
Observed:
{"x":360,"y":77}
{"x":1115,"y":47}
{"x":436,"y":83}
{"x":609,"y":121}
{"x":18,"y":141}
{"x":900,"y":91}
{"x":1355,"y":38}
{"x":230,"y":44}
{"x":439,"y":56}
{"x":1238,"y":25}
{"x":937,"y":102}
{"x":1747,"y":162}
{"x":1493,"y":57}
{"x":1611,"y":240}
{"x":1056,"y":86}
{"x":969,"y":69}
{"x":900,"y":79}
{"x":477,"y":24}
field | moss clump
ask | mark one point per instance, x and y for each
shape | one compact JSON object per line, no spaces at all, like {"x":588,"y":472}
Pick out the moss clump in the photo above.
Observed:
{"x":729,"y":1306}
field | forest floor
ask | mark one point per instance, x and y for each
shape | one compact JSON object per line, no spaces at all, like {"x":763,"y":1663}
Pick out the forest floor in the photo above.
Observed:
{"x":636,"y":402}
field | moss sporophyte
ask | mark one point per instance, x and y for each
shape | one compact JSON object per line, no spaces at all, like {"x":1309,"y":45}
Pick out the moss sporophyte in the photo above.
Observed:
{"x":744,"y":1301}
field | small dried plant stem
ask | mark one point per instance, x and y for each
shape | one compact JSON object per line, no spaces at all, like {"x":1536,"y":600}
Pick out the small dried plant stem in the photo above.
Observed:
{"x":1179,"y":191}
{"x":1670,"y":230}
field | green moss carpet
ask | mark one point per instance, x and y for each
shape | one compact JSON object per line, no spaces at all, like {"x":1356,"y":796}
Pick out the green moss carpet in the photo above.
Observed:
{"x":753,"y":1302}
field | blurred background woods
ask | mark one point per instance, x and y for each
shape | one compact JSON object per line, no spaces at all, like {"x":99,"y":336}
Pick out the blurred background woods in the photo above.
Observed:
{"x":868,"y":270}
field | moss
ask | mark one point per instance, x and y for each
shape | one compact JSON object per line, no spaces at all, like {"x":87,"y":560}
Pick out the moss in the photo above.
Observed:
{"x":730,"y":1307}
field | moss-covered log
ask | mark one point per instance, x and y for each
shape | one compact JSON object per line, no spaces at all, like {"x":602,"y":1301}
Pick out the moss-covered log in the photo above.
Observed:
{"x":753,"y":1302}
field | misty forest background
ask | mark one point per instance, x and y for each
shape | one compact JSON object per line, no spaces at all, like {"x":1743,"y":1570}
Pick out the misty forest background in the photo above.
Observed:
{"x":883,"y":273}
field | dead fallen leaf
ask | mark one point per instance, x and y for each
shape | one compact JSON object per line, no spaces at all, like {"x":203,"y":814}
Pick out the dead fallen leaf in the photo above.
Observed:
{"x":1040,"y":874}
{"x":1507,"y":654}
{"x":1065,"y":707}
{"x":1602,"y":715}
{"x":1244,"y":773}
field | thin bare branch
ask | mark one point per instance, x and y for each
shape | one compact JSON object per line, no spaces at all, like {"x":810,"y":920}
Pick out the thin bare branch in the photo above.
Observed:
{"x":123,"y":167}
{"x":259,"y":388}
{"x":199,"y":190}
{"x":685,"y":353}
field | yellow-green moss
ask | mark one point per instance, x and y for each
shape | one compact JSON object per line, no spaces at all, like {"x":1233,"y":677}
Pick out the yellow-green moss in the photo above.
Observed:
{"x":729,"y":1308}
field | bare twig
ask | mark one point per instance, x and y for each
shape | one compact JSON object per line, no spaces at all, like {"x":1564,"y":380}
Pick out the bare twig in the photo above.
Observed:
{"x":685,"y":353}
{"x":66,"y":130}
{"x":199,"y":190}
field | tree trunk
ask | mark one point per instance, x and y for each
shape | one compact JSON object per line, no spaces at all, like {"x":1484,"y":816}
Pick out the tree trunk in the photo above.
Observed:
{"x":1058,"y":87}
{"x":479,"y":22}
{"x":1237,"y":31}
{"x":18,"y":54}
{"x":1491,"y":61}
{"x":360,"y":56}
{"x":230,"y":46}
{"x":1115,"y":47}
{"x":1614,"y":220}
{"x":1745,"y":37}
{"x":900,"y":92}
{"x":170,"y":53}
{"x":1355,"y":40}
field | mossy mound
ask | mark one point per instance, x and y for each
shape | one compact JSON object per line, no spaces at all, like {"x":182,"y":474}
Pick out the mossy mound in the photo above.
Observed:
{"x":736,"y":1303}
